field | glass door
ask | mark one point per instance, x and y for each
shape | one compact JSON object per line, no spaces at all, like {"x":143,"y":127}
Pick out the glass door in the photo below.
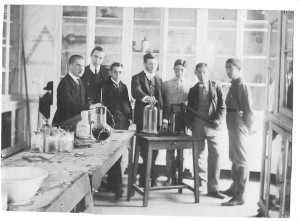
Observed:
{"x":74,"y":34}
{"x":108,"y":33}
{"x":146,"y":36}
{"x":181,"y":41}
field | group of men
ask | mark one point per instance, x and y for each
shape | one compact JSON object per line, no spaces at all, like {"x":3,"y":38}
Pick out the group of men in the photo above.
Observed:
{"x":206,"y":109}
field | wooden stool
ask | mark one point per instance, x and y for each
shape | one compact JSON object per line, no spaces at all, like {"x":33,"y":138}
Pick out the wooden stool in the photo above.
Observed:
{"x":152,"y":142}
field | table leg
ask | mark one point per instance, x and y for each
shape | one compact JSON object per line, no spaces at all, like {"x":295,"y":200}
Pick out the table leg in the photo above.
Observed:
{"x":180,"y":169}
{"x":148,"y":174}
{"x":130,"y":166}
{"x":195,"y":164}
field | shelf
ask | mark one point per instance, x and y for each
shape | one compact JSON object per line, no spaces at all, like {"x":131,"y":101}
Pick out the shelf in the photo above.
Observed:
{"x":143,"y":53}
{"x":79,"y":51}
{"x":222,"y":21}
{"x":182,"y":28}
{"x":146,"y":19}
{"x":146,"y":27}
{"x":221,"y":29}
{"x":180,"y":54}
{"x":109,"y":18}
{"x":74,"y":24}
{"x":254,"y":57}
{"x":75,"y":17}
{"x":108,"y":26}
{"x":256,"y":29}
{"x":257,"y":21}
{"x":182,"y":20}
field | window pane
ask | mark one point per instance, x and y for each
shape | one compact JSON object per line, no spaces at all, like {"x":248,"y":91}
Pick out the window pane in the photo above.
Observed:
{"x":254,"y":43}
{"x":256,"y":15}
{"x":6,"y":130}
{"x":254,"y":70}
{"x":182,"y":17}
{"x":222,"y":14}
{"x":221,"y":42}
{"x":73,"y":34}
{"x":147,"y":13}
{"x":181,"y":41}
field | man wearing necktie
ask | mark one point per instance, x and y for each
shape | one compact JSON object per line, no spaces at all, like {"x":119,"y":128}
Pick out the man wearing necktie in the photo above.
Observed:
{"x":205,"y":114}
{"x":175,"y":92}
{"x":71,"y":94}
{"x":94,"y":75}
{"x":116,"y":99}
{"x":146,"y":88}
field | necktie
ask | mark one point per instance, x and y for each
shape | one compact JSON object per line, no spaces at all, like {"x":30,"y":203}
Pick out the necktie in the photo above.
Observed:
{"x":96,"y":71}
{"x":179,"y":84}
{"x":80,"y":91}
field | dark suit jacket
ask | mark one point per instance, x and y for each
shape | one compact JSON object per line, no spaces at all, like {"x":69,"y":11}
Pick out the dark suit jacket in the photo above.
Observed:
{"x":217,"y":109}
{"x":140,"y":89}
{"x":93,"y":82}
{"x":69,"y":104}
{"x":116,"y":99}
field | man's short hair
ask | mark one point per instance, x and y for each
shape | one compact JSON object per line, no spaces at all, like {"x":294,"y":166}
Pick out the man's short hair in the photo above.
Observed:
{"x":235,"y":62}
{"x":148,"y":56}
{"x":180,"y":62}
{"x":74,"y":58}
{"x":200,"y":65}
{"x":115,"y":64}
{"x":98,"y":48}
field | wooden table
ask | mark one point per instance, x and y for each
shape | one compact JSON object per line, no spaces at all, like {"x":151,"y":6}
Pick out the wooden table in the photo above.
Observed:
{"x":153,"y":142}
{"x":72,"y":173}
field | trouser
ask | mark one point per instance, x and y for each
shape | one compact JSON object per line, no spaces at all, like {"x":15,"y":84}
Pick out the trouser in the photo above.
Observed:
{"x":202,"y":129}
{"x":144,"y":155}
{"x":238,"y":132}
{"x":172,"y":163}
{"x":114,"y":178}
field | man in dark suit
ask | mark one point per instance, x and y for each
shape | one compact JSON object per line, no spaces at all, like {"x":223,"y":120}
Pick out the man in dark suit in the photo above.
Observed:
{"x":206,"y":112}
{"x":94,"y":75}
{"x":116,"y":99}
{"x":71,"y":95}
{"x":146,"y":88}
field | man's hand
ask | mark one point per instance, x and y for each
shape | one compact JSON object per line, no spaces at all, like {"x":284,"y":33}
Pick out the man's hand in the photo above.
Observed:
{"x":165,"y":126}
{"x":151,"y":100}
{"x":214,"y":124}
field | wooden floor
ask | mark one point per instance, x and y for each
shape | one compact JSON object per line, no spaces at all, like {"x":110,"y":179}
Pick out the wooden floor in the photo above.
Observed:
{"x":170,"y":203}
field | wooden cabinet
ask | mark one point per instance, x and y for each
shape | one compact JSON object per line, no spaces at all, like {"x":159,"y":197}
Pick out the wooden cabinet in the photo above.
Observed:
{"x":275,"y":189}
{"x":13,"y":130}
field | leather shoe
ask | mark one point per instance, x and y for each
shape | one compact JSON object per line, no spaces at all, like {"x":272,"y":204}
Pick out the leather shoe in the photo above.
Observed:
{"x":216,"y":194}
{"x":153,"y":183}
{"x":233,"y":202}
{"x":227,"y":192}
{"x":170,"y":182}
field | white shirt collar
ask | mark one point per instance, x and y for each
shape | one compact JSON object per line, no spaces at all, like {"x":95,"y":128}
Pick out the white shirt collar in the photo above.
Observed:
{"x":178,"y":79}
{"x":149,"y":76}
{"x":92,"y":68}
{"x":115,"y":81}
{"x":74,"y":77}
